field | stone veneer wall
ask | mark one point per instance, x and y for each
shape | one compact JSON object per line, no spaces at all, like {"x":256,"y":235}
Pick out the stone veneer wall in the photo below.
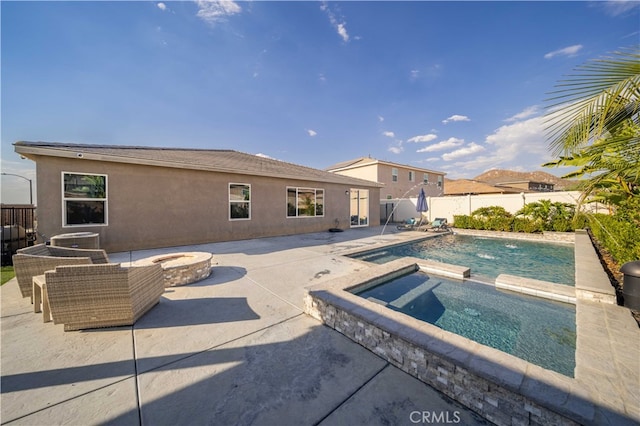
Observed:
{"x":492,"y":401}
{"x":188,"y":274}
{"x":560,"y":237}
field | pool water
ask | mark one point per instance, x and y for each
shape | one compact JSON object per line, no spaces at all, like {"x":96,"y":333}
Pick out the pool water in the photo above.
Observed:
{"x":539,"y":331}
{"x":489,"y":257}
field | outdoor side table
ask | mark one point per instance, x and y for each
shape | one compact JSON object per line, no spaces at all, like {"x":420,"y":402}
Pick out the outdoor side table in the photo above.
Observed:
{"x":40,"y":297}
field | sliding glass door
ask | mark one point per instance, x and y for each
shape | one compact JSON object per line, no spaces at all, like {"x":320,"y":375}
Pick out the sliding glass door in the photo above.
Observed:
{"x":359,"y":207}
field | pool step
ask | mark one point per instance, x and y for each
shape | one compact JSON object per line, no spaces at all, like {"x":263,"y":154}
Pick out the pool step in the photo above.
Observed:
{"x":538,"y":288}
{"x":443,"y":269}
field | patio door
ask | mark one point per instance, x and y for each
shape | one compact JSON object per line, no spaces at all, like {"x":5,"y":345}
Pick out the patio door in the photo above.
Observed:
{"x":359,"y":207}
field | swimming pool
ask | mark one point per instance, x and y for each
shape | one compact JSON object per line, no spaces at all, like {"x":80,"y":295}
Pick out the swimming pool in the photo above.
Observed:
{"x":538,"y":331}
{"x":489,"y":257}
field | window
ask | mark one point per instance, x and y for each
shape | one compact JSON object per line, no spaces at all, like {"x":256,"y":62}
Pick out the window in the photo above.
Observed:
{"x":84,"y":199}
{"x":425,"y":178}
{"x":394,"y":174}
{"x":439,"y":181}
{"x":411,"y":176}
{"x":305,"y":202}
{"x":239,"y":201}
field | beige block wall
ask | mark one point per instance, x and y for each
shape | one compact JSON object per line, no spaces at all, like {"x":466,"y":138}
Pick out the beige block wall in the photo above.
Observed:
{"x":150,"y":207}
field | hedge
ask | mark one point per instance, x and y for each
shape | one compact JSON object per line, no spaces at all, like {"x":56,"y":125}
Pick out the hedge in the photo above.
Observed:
{"x":619,"y":235}
{"x":620,"y":238}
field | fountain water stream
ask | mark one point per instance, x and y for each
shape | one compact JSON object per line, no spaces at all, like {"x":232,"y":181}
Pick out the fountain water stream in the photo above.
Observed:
{"x":421,"y":184}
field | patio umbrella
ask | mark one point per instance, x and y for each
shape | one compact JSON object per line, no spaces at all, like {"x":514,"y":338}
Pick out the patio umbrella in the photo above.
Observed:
{"x":421,"y":204}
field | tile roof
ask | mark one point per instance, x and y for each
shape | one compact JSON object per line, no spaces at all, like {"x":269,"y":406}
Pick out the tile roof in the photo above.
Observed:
{"x":215,"y":160}
{"x":468,"y":186}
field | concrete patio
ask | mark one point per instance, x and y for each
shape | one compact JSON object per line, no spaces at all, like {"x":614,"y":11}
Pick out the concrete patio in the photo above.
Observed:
{"x":235,"y":348}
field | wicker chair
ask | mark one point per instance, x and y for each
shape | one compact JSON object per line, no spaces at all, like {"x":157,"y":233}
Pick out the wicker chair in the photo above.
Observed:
{"x":35,"y":260}
{"x":95,"y":296}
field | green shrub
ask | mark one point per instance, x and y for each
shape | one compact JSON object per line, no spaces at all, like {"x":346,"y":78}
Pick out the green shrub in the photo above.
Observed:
{"x":492,"y":218}
{"x":499,"y":223}
{"x":580,"y":221}
{"x":461,"y":221}
{"x":523,"y":224}
{"x":562,"y":225}
{"x":619,"y":237}
{"x":477,"y":223}
{"x":491,"y":211}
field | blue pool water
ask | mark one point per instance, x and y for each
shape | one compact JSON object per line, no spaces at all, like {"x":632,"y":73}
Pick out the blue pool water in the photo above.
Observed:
{"x":536,"y":330}
{"x":489,"y":257}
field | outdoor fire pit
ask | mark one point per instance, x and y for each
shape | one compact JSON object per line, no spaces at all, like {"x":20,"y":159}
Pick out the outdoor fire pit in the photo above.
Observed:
{"x":181,"y":268}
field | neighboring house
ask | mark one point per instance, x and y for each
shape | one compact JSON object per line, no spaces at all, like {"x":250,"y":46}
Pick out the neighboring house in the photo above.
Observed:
{"x":474,"y":187}
{"x":400,"y":181}
{"x":529,"y":185}
{"x":145,"y":197}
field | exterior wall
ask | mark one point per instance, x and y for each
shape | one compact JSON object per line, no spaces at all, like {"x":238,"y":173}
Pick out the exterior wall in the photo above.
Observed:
{"x":367,"y":172}
{"x":150,"y":207}
{"x":465,"y":204}
{"x":381,"y":172}
{"x":404,"y":187}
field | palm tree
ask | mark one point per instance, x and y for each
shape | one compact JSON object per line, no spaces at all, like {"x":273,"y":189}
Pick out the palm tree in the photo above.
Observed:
{"x":594,"y":124}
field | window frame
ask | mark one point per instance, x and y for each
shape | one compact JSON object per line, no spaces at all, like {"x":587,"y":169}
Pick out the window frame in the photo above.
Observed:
{"x":394,"y":174}
{"x":305,"y":189}
{"x":425,"y":178}
{"x":231,"y":202}
{"x":412,"y":176}
{"x":65,"y":199}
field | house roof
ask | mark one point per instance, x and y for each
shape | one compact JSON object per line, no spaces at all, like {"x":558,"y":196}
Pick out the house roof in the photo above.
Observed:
{"x":516,"y":182}
{"x":365,"y":161}
{"x":214,"y":160}
{"x":468,"y":186}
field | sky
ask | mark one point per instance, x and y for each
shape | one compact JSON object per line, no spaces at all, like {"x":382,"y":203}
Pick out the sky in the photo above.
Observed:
{"x":456,"y":87}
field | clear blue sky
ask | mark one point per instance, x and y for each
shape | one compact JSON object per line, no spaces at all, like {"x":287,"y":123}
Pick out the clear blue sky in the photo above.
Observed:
{"x":458,"y":87}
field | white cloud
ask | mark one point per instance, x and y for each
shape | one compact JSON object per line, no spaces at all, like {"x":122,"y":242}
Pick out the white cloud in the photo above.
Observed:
{"x":415,"y":74}
{"x":522,"y":144}
{"x":396,"y":149}
{"x":527,"y":112}
{"x":446,"y":144}
{"x":456,"y":117}
{"x":389,"y":134}
{"x":565,"y":51}
{"x":380,"y":118}
{"x":527,"y":134}
{"x":619,"y":7}
{"x":312,"y":133}
{"x":337,"y":23}
{"x":214,"y":11}
{"x":265,"y":156}
{"x":471,"y":148}
{"x":423,"y":138}
{"x":161,"y":6}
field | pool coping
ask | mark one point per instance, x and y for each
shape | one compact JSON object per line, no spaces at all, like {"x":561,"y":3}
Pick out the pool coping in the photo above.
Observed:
{"x":483,"y":378}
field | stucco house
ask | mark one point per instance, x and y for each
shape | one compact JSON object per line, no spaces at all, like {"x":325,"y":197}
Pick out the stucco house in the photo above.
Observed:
{"x":400,"y":181}
{"x":474,"y":187}
{"x":146,"y":197}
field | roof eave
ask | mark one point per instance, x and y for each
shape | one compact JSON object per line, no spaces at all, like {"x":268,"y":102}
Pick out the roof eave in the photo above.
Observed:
{"x":30,"y":151}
